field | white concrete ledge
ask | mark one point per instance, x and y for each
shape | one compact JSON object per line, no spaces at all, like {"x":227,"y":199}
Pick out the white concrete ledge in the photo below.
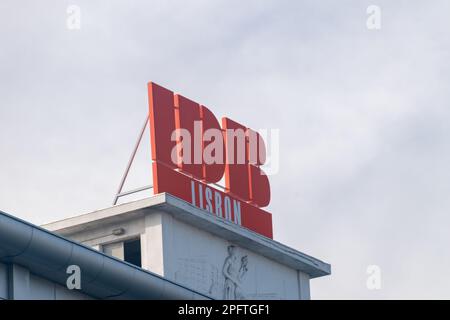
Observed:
{"x":201,"y":219}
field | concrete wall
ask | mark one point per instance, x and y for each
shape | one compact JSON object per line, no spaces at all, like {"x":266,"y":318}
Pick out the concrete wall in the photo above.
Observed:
{"x":18,"y":283}
{"x":94,"y":237}
{"x":198,"y":259}
{"x":207,"y":263}
{"x":3,"y":281}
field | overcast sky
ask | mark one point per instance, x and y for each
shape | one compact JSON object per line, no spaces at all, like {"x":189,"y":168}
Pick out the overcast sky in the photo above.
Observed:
{"x":363,"y":116}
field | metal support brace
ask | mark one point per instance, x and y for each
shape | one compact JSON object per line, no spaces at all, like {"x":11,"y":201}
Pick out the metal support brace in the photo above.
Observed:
{"x":127,"y":170}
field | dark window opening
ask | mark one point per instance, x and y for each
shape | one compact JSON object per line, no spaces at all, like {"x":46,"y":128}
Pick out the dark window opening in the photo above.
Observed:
{"x":132,"y":252}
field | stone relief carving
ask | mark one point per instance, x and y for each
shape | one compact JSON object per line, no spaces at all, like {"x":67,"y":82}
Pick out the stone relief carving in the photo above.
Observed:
{"x":227,"y":280}
{"x":214,"y":286}
{"x":194,"y":272}
{"x":234,"y":270}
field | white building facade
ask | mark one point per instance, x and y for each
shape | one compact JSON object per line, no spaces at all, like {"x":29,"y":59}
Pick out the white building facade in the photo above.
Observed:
{"x":193,"y":248}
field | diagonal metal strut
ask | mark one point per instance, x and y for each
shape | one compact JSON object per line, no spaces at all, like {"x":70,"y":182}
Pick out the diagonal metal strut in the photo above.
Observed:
{"x":127,"y":170}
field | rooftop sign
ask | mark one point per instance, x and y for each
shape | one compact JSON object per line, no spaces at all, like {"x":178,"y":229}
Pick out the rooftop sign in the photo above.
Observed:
{"x":192,"y":152}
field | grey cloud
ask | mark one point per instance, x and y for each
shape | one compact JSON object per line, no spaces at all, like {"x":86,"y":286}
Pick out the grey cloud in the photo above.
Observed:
{"x":363,"y":117}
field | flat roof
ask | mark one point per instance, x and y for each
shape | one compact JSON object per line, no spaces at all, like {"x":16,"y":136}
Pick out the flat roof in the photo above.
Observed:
{"x":201,"y":219}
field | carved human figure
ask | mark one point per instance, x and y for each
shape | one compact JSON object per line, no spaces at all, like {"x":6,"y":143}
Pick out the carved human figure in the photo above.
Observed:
{"x":231,"y":273}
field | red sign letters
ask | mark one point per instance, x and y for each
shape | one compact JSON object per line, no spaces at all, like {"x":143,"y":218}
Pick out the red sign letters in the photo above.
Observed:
{"x":191,"y":152}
